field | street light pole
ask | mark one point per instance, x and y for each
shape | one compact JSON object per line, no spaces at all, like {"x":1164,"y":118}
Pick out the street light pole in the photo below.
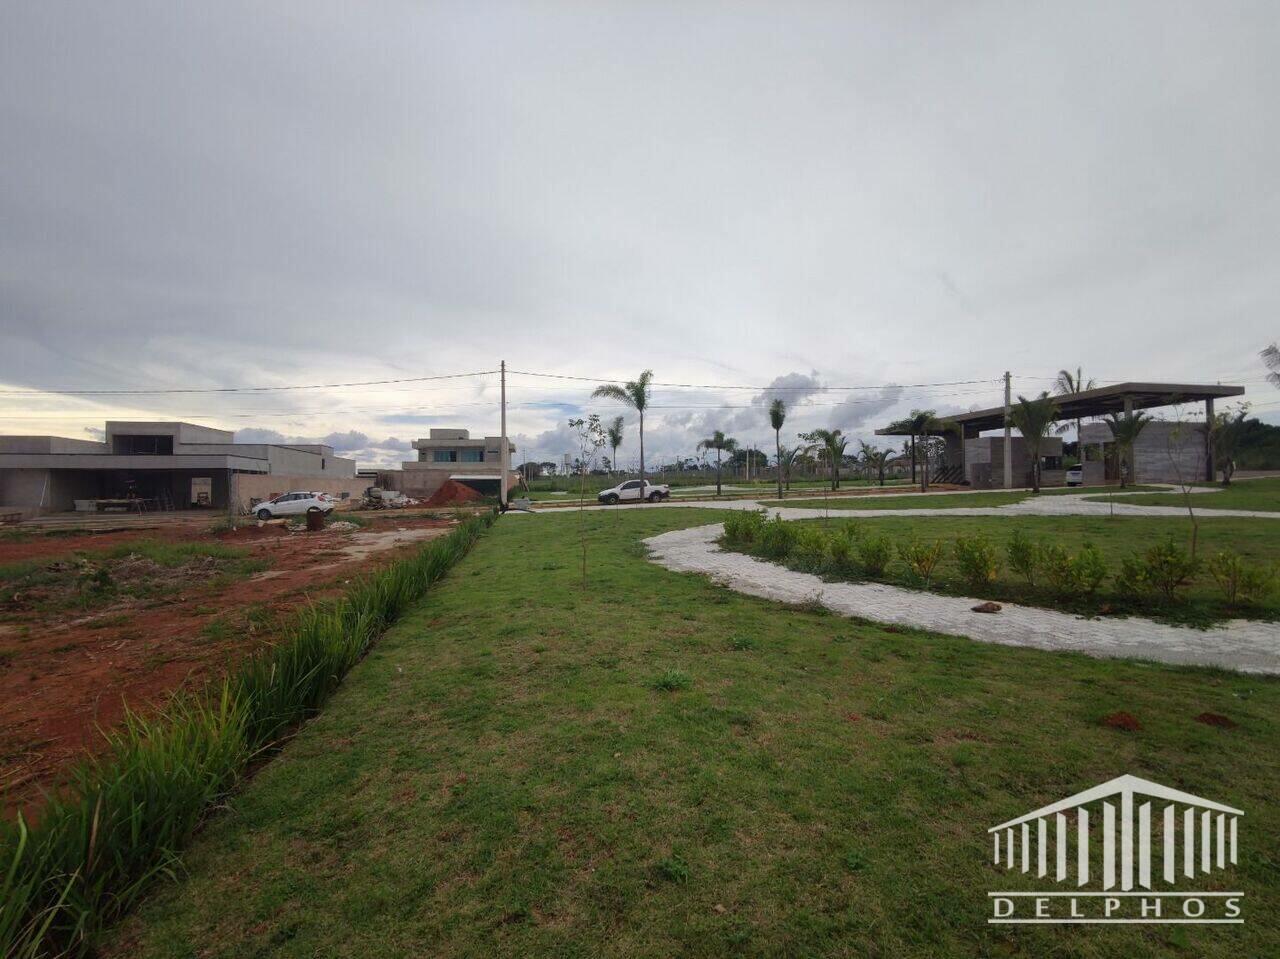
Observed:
{"x":504,"y":455}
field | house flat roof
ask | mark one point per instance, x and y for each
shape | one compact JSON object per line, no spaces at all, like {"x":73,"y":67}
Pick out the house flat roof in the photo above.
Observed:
{"x":1097,"y":402}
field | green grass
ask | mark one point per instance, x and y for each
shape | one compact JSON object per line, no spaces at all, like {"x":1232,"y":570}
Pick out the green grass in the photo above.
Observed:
{"x":938,"y":500}
{"x":1200,"y":603}
{"x":500,"y":777}
{"x":1254,"y":494}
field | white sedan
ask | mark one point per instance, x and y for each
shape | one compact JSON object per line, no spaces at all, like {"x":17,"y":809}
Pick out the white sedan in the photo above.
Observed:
{"x":291,"y":504}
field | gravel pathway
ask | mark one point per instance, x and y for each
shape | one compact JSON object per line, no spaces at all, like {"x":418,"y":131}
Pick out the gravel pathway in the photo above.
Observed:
{"x":1241,"y":645}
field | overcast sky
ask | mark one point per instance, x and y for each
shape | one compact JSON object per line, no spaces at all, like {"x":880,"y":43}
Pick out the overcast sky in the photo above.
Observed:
{"x":843,"y":194}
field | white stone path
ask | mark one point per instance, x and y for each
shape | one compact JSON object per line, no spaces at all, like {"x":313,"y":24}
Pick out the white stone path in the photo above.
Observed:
{"x":1242,"y":645}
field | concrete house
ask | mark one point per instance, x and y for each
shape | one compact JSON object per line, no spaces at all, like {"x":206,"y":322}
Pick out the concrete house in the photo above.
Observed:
{"x":162,"y":465}
{"x":452,"y":454}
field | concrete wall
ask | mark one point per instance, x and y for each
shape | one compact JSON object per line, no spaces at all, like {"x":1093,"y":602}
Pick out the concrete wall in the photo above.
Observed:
{"x":45,"y":445}
{"x":984,"y":462}
{"x":1163,"y":453}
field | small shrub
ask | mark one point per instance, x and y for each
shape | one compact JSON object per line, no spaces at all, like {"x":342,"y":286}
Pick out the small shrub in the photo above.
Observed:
{"x":1238,"y":580}
{"x":743,"y":528}
{"x":920,"y":559}
{"x":1024,"y":556}
{"x":875,"y":553}
{"x":741,"y":643}
{"x":1078,"y":575}
{"x":1091,"y":569}
{"x":810,"y":547}
{"x":1160,"y":572}
{"x":842,"y":545}
{"x":977,"y":560}
{"x":672,"y":680}
{"x":776,"y":538}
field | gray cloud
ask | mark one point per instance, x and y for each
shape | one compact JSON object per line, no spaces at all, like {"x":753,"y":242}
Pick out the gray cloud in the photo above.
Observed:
{"x":229,"y":195}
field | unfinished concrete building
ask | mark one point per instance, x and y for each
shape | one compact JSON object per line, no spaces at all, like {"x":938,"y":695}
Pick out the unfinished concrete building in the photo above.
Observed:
{"x":451,"y":454}
{"x":162,"y":466}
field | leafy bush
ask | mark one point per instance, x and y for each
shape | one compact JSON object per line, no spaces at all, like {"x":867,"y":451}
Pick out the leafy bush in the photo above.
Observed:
{"x":976,"y":558}
{"x":810,"y":547}
{"x":1078,"y":575}
{"x":1161,"y":571}
{"x":777,"y":538}
{"x":122,"y":816}
{"x":842,"y":545}
{"x":1091,"y":568}
{"x":743,"y":528}
{"x":875,"y":552}
{"x":1024,"y":556}
{"x":920,"y":559}
{"x":1238,"y":580}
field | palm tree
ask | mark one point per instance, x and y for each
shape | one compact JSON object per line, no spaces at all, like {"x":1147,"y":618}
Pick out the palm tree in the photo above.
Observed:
{"x":922,"y":423}
{"x":635,"y":393}
{"x":1068,"y":385}
{"x":1126,"y":429}
{"x":721,"y":444}
{"x":1034,"y":419}
{"x":778,"y":416}
{"x":1271,"y":357}
{"x":614,"y":433}
{"x":875,"y":460}
{"x":787,"y":456}
{"x":833,"y":443}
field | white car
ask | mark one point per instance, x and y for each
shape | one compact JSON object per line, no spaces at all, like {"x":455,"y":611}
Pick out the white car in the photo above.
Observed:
{"x":292,"y":504}
{"x":1075,"y":476}
{"x":630,"y":490}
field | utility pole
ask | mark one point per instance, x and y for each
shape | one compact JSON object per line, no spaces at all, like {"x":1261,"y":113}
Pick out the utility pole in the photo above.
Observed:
{"x":504,"y":456}
{"x":1008,"y":439}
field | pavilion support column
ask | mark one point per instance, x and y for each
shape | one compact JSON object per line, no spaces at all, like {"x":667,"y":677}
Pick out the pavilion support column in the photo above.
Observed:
{"x":1210,"y":466}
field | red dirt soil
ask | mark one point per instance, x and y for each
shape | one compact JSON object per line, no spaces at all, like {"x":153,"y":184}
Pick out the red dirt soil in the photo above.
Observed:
{"x":453,"y":493}
{"x":1122,"y":721}
{"x":1216,"y":719}
{"x":63,"y":676}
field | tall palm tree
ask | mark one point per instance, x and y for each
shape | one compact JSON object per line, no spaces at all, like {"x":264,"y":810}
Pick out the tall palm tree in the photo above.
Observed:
{"x":1126,"y":429}
{"x":922,"y":423}
{"x":833,"y":443}
{"x":778,"y":416}
{"x":1068,"y":385}
{"x":614,"y":433}
{"x":1271,"y":357}
{"x":635,"y":393}
{"x":875,"y":460}
{"x":1034,"y":419}
{"x":721,"y":444}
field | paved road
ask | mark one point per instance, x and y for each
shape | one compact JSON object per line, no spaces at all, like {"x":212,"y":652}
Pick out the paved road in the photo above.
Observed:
{"x":1241,"y":645}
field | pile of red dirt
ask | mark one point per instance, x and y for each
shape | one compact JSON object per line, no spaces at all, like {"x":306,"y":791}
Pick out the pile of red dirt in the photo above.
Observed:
{"x":1122,"y":721}
{"x":1216,"y":719}
{"x":453,"y":493}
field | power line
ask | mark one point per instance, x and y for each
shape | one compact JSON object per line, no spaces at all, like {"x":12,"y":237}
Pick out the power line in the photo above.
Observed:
{"x":760,"y":389}
{"x":244,"y":389}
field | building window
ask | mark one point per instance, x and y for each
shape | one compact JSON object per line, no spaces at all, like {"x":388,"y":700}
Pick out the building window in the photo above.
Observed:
{"x":444,"y":456}
{"x":135,"y":445}
{"x":473,"y":456}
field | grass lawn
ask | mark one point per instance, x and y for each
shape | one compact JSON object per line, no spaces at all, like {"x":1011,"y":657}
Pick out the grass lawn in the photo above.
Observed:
{"x":658,"y":766}
{"x":939,"y":500}
{"x":1260,"y":494}
{"x":1200,"y":601}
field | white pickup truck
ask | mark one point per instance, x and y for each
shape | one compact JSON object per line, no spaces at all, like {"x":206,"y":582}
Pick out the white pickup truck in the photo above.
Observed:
{"x":630,"y":490}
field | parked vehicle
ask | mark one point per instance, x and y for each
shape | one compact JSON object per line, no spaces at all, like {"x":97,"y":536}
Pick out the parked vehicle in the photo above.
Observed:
{"x":630,"y":490}
{"x":293,"y":504}
{"x":1075,"y":476}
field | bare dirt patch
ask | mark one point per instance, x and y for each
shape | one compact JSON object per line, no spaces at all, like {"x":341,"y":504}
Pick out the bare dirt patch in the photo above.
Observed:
{"x":67,"y":670}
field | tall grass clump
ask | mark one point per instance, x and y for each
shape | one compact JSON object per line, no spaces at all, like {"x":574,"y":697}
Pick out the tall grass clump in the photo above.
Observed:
{"x":122,"y":817}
